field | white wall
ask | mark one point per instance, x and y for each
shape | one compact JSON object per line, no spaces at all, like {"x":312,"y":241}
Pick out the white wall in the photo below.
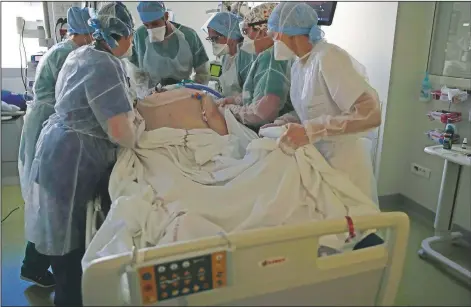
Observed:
{"x":406,"y":122}
{"x":366,"y":31}
{"x":190,"y":14}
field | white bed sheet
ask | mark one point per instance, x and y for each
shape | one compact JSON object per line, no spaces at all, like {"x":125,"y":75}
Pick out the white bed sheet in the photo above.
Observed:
{"x":182,"y":185}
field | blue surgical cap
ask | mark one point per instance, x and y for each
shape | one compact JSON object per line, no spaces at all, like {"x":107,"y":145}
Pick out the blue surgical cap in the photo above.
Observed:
{"x":295,"y":18}
{"x":77,"y":19}
{"x":151,"y":10}
{"x":227,"y":24}
{"x":112,"y":18}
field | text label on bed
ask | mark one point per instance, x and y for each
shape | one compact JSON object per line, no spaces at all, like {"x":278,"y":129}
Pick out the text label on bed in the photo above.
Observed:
{"x":272,"y":261}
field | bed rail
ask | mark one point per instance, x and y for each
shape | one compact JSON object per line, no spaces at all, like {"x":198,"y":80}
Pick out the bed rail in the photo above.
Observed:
{"x":364,"y":277}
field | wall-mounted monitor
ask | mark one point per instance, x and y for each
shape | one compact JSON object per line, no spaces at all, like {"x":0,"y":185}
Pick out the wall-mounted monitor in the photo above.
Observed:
{"x":325,"y":11}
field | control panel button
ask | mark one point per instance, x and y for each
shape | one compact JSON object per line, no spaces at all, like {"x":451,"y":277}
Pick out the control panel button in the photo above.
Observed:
{"x":186,"y":273}
{"x":148,"y":288}
{"x":147,"y":276}
{"x":201,"y":270}
{"x":186,"y":264}
{"x":219,"y":274}
{"x":201,"y":278}
{"x":163,"y":286}
{"x":175,"y":292}
{"x":206,"y":285}
{"x":219,"y":282}
{"x":161,"y":269}
{"x":196,"y":288}
{"x":185,"y":290}
{"x":174,"y":276}
{"x":173,"y":266}
{"x":164,"y":294}
{"x":219,"y":257}
{"x":187,"y":282}
{"x":162,"y":278}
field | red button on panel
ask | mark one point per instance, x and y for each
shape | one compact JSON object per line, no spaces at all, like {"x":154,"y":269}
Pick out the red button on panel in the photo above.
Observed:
{"x":148,"y":287}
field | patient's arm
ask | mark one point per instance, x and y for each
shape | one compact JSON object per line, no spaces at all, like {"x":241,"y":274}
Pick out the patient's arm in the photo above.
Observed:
{"x":215,"y":119}
{"x":178,"y":109}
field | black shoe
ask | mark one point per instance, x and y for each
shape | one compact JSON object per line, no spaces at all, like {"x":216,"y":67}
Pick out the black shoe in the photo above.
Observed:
{"x":45,"y":280}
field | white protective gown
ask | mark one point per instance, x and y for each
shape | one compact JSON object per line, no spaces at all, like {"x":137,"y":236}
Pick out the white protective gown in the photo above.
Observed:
{"x":329,"y":83}
{"x":229,"y":80}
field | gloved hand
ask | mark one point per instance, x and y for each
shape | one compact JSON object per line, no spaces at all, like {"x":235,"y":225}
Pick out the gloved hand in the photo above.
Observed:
{"x":229,"y":100}
{"x":294,"y":137}
{"x":276,"y":123}
{"x":225,"y":101}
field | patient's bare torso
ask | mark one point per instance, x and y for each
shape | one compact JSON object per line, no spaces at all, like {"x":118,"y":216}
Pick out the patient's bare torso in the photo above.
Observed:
{"x":178,"y":109}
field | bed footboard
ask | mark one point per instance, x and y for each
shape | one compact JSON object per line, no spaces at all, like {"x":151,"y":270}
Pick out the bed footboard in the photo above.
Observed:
{"x":276,"y":266}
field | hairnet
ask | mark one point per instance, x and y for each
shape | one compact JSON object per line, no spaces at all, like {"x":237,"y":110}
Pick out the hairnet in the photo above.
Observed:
{"x":151,"y":10}
{"x":260,"y":13}
{"x":112,"y":18}
{"x":295,"y":18}
{"x":77,"y":19}
{"x":226,"y":24}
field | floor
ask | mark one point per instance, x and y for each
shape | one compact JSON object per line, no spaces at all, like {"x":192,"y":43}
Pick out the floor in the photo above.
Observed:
{"x":423,"y":283}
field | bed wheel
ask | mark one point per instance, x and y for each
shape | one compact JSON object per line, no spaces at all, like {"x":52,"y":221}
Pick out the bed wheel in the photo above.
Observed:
{"x":422,"y":254}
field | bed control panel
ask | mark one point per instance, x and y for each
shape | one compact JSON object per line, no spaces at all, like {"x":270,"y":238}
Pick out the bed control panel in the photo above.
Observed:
{"x":182,"y":277}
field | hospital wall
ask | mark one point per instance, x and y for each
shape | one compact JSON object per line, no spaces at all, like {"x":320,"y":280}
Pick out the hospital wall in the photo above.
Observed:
{"x":406,"y":120}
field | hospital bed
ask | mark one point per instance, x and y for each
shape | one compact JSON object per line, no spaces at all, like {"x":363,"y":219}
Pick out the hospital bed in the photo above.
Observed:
{"x":264,"y":267}
{"x":220,"y":270}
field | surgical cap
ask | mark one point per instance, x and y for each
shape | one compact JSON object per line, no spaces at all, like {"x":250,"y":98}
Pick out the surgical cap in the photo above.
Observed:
{"x":226,"y":24}
{"x":112,"y":18}
{"x":260,"y":13}
{"x":151,"y":10}
{"x":77,"y":19}
{"x":295,"y":18}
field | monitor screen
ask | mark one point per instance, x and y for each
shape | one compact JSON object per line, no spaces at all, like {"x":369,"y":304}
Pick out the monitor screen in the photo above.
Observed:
{"x":325,"y":11}
{"x":215,"y":70}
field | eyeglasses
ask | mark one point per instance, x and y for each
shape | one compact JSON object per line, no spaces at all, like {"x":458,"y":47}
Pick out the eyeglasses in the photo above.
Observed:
{"x":213,"y":39}
{"x":252,"y":25}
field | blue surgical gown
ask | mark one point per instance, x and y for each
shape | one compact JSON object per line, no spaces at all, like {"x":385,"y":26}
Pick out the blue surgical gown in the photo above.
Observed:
{"x":74,"y":151}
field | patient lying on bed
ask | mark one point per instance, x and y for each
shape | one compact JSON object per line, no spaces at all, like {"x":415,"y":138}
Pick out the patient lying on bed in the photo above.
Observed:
{"x":181,"y":109}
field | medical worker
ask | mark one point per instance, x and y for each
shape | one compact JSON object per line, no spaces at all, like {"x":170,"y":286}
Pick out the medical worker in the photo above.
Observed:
{"x":265,"y":94}
{"x":224,"y":34}
{"x":333,"y":101}
{"x":35,"y":266}
{"x":77,"y":145}
{"x":166,"y":52}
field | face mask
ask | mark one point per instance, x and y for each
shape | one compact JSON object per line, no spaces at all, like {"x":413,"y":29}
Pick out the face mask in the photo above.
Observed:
{"x":156,"y":34}
{"x":220,"y":49}
{"x":282,"y":52}
{"x":248,"y":45}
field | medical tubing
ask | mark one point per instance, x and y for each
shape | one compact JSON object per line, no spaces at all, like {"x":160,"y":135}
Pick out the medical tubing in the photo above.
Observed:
{"x":201,"y":87}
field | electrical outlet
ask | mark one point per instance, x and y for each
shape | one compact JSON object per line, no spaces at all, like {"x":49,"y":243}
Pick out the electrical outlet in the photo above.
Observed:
{"x":420,"y":170}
